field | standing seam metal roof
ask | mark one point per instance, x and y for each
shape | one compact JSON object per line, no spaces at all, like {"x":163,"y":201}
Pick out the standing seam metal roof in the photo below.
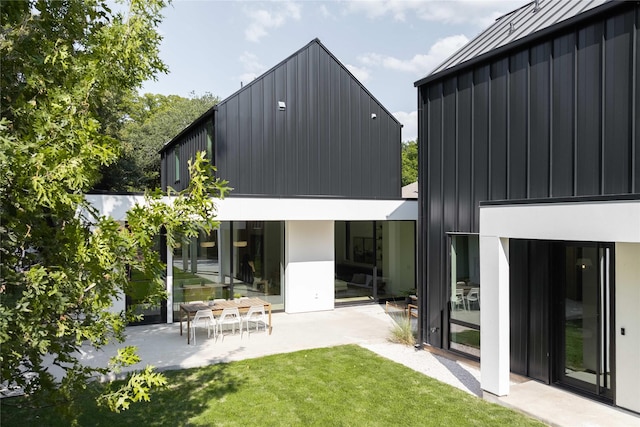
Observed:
{"x":515,"y":25}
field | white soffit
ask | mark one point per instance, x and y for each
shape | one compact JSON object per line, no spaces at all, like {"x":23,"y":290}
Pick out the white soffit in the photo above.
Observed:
{"x":611,"y":221}
{"x":270,"y":209}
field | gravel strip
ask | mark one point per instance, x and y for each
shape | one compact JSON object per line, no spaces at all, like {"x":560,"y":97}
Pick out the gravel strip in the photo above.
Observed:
{"x":459,"y":375}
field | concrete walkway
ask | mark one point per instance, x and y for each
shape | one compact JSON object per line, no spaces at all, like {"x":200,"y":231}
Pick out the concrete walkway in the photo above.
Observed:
{"x":368,"y":326}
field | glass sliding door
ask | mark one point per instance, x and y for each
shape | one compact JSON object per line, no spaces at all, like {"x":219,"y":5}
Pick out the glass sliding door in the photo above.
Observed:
{"x":240,"y":258}
{"x":257,"y":251}
{"x":585,"y":359}
{"x":196,"y":270}
{"x":140,"y":288}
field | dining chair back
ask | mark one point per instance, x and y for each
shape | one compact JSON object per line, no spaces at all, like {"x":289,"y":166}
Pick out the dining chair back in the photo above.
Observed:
{"x":256,"y":316}
{"x":473,"y":297}
{"x":230,"y":316}
{"x":206,"y":317}
{"x":459,"y":300}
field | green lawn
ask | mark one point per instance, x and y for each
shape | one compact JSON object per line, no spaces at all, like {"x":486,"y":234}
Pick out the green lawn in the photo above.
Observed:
{"x":339,"y":386}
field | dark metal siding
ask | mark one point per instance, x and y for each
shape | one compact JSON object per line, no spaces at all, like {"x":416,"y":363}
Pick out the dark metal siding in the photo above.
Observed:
{"x":530,"y":334}
{"x":555,"y":118}
{"x":191,"y":142}
{"x":325,"y":143}
{"x":518,"y":306}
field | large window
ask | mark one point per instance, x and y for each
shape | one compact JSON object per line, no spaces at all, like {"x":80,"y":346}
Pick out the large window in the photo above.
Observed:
{"x":464,"y":292}
{"x":241,"y":258}
{"x":139,"y":289}
{"x":374,"y":260}
{"x":257,"y":260}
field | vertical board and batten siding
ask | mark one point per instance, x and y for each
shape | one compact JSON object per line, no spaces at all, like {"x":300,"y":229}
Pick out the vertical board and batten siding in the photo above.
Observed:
{"x":191,"y":142}
{"x":556,"y":117}
{"x":324,"y":143}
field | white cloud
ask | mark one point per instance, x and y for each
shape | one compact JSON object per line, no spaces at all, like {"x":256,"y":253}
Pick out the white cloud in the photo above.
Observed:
{"x":420,"y":64}
{"x":361,"y":73}
{"x":409,"y":124}
{"x":252,"y":67}
{"x":479,"y":13}
{"x":324,"y":11}
{"x":261,"y":21}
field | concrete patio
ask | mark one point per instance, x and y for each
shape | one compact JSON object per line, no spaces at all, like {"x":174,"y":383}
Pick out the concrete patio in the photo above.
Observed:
{"x":368,"y":326}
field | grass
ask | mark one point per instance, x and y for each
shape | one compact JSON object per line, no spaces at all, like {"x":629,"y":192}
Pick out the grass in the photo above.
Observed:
{"x":337,"y":386}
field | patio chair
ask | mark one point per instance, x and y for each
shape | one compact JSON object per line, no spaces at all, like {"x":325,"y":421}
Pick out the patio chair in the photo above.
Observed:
{"x":256,"y":316}
{"x":230,"y":316}
{"x":459,"y":300}
{"x":206,"y":317}
{"x":473,"y":296}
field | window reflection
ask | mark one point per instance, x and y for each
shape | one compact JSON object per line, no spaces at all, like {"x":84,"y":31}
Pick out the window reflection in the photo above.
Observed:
{"x":374,"y":260}
{"x":465,"y":295}
{"x":241,"y":258}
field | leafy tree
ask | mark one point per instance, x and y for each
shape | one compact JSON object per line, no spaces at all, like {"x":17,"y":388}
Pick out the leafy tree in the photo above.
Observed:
{"x":409,"y":162}
{"x":67,"y":69}
{"x":153,"y":120}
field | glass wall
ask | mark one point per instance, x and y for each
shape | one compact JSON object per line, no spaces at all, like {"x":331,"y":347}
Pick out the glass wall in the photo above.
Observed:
{"x":140,"y":287}
{"x":464,"y":292}
{"x":374,"y":260}
{"x":241,"y":258}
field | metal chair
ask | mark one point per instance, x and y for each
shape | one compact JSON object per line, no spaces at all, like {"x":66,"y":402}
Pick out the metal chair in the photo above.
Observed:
{"x":459,"y":300}
{"x":255,"y":315}
{"x":473,"y":296}
{"x":209,"y":320}
{"x":230,"y":316}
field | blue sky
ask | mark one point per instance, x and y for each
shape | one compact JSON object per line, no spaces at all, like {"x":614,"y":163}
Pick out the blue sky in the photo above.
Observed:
{"x":213,"y":46}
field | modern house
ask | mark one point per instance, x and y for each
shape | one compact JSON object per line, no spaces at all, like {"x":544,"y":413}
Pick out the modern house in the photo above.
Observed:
{"x":529,"y":183}
{"x":316,"y":216}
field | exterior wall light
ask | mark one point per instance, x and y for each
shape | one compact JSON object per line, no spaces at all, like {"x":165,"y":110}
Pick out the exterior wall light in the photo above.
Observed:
{"x":282,"y":106}
{"x":373,"y":116}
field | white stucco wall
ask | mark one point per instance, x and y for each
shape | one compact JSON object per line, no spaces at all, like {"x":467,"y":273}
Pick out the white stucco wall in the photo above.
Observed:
{"x":616,"y":221}
{"x":591,"y":222}
{"x":114,"y":205}
{"x":309,"y":266}
{"x":309,"y":236}
{"x":627,"y":289}
{"x":494,"y":315}
{"x":270,"y":209}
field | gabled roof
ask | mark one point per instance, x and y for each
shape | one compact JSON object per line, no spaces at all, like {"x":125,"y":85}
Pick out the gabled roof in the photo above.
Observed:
{"x":247,"y":86}
{"x":519,"y":25}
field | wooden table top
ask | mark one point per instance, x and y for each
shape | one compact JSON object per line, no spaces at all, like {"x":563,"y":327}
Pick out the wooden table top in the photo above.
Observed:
{"x":219,"y":305}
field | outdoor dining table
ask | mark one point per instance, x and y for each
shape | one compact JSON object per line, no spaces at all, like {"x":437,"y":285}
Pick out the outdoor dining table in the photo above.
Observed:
{"x":243,"y":305}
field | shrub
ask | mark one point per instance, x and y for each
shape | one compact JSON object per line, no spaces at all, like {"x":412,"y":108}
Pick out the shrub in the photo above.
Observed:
{"x":402,"y":331}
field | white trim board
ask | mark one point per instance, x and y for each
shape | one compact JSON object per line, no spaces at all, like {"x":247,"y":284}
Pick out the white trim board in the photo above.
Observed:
{"x":616,"y":221}
{"x":276,"y":209}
